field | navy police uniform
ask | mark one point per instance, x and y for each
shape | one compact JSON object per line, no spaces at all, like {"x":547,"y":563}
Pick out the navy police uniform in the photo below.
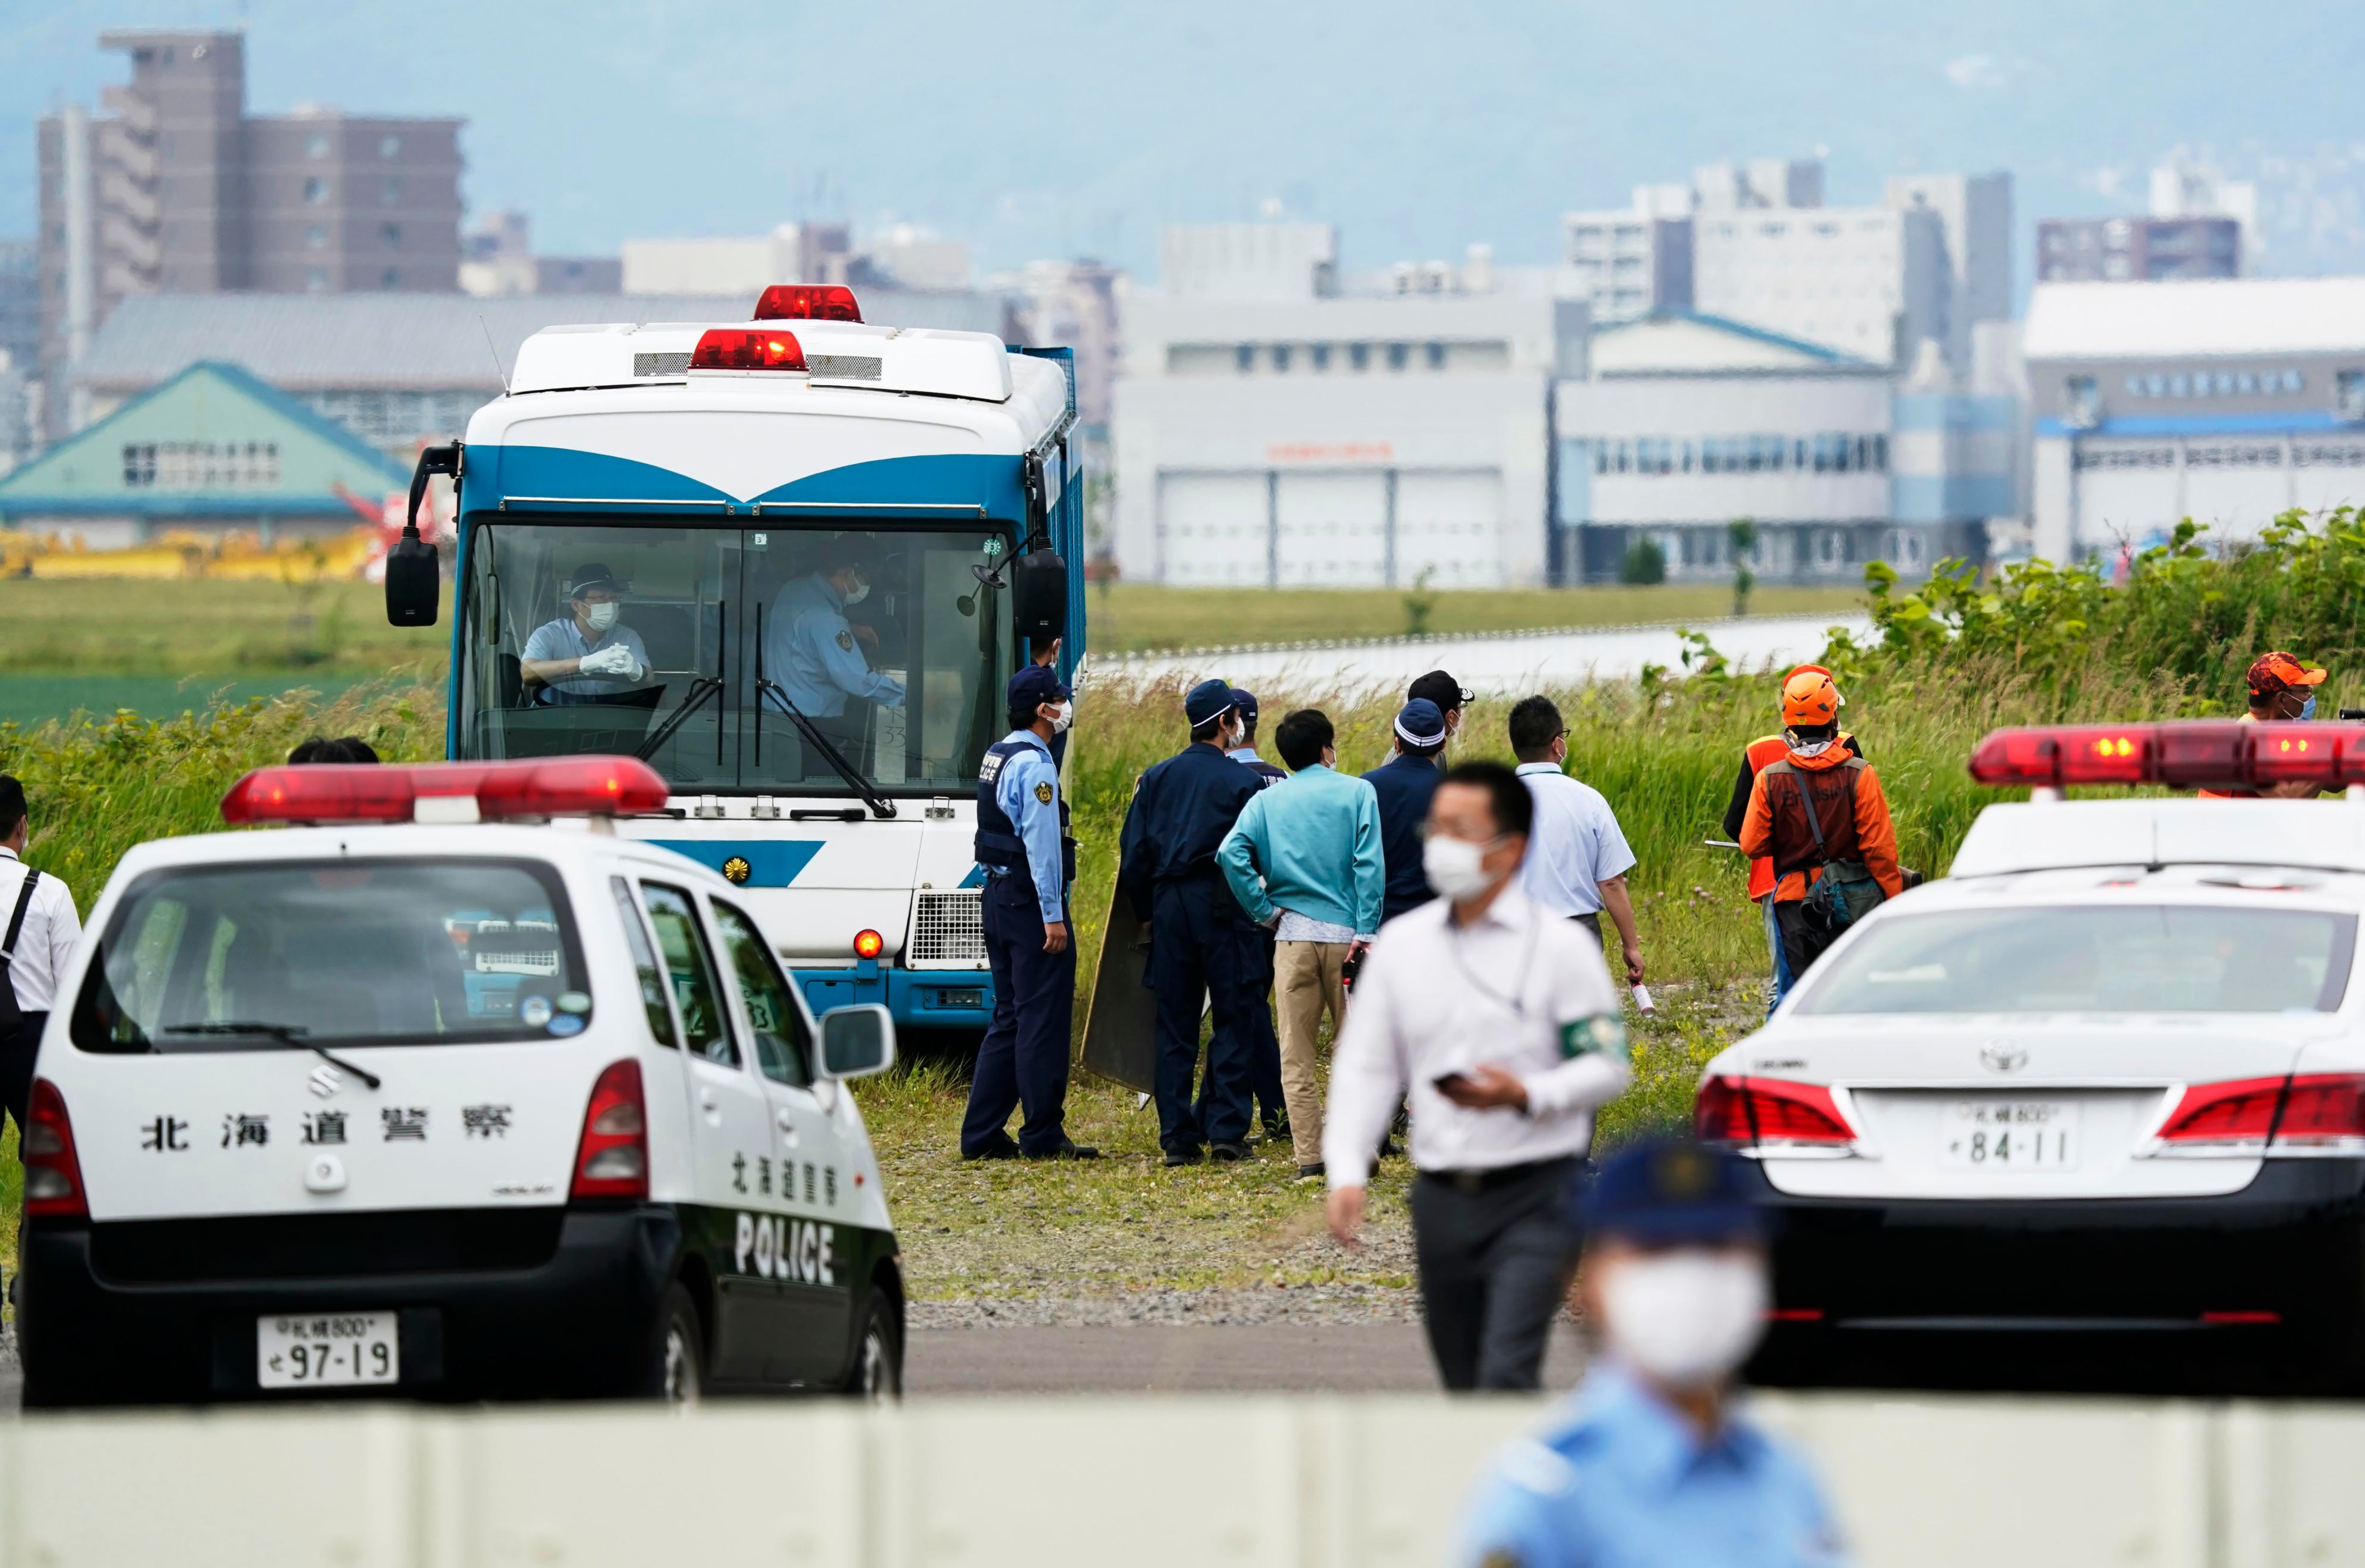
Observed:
{"x":1404,"y":784}
{"x":1264,"y":1061}
{"x":1619,"y":1477}
{"x":1030,"y":863}
{"x":1202,"y":942}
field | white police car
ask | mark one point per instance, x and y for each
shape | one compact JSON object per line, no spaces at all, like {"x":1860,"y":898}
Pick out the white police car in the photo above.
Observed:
{"x":2093,"y":1108}
{"x":424,"y":1099}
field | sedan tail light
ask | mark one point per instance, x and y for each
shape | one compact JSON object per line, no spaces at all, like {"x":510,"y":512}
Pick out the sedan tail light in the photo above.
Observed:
{"x":54,"y":1188}
{"x":613,"y":1160}
{"x":1771,"y":1114}
{"x":2306,"y":1114}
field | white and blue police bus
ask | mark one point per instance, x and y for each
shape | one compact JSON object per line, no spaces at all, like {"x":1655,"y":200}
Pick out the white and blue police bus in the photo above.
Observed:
{"x":828,"y":545}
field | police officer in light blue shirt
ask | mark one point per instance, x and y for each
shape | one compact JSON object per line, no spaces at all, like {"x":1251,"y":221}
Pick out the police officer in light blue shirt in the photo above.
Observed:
{"x":811,"y":648}
{"x":1030,"y":863}
{"x":1648,"y":1462}
{"x":589,"y":653}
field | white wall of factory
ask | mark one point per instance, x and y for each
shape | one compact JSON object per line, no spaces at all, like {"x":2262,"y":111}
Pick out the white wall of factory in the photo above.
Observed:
{"x":1337,"y":442}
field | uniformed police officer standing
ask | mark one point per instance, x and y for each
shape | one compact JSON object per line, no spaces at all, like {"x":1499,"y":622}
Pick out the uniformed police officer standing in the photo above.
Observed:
{"x":1201,"y":942}
{"x":1647,"y":1463}
{"x":1030,"y":862}
{"x":1264,"y":1061}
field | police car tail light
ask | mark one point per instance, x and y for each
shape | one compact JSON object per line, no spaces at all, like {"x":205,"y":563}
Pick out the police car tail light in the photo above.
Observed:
{"x":808,"y":302}
{"x":446,"y":792}
{"x":868,"y":944}
{"x":2307,"y":1114}
{"x":2195,"y":754}
{"x":613,"y":1160}
{"x":1773,"y":1114}
{"x":52,"y":1172}
{"x":748,"y":348}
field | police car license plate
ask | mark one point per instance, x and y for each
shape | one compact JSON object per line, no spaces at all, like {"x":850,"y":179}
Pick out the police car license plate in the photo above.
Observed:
{"x":327,"y":1349}
{"x":2009,"y":1134}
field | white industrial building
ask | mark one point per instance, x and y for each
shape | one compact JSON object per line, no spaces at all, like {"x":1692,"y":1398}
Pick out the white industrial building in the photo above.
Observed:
{"x":1689,"y":422}
{"x":2224,"y":400}
{"x":1271,"y":429}
{"x":1869,"y":281}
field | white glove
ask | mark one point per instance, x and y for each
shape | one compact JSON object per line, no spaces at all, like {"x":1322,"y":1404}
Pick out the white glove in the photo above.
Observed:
{"x":613,"y":659}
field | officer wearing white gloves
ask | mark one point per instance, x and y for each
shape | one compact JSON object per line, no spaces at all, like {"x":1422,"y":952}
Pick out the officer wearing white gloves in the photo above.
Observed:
{"x":589,"y":653}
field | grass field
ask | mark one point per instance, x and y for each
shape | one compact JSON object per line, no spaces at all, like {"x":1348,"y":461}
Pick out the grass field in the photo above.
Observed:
{"x":177,"y":627}
{"x":1137,"y":617}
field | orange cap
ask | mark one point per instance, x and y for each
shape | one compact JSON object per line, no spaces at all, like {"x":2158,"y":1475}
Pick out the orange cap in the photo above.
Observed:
{"x":1809,"y":699}
{"x":2279,"y":671}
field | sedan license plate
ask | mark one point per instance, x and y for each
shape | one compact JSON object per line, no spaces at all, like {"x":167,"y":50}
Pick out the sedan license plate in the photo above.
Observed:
{"x":327,"y":1351}
{"x":2009,"y":1134}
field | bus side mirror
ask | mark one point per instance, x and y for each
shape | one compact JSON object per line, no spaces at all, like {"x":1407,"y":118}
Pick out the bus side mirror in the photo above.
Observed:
{"x":414,"y":574}
{"x":856,"y":1041}
{"x":1039,"y":596}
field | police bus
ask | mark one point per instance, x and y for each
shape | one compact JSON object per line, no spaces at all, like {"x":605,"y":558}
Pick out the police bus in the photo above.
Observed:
{"x":790,"y":563}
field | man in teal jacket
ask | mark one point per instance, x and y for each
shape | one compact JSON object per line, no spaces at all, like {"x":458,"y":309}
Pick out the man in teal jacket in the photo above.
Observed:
{"x":1305,"y":860}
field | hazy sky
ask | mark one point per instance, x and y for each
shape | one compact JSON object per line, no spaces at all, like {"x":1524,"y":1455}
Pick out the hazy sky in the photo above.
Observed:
{"x":1039,"y":128}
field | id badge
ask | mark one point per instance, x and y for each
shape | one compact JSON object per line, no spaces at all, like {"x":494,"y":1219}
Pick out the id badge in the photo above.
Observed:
{"x":1604,"y":1033}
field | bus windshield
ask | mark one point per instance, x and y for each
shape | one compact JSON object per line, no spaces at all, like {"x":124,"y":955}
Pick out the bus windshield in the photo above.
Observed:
{"x":737,"y":661}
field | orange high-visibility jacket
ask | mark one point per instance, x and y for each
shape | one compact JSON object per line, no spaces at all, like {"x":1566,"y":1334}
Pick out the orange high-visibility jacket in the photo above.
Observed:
{"x":1759,"y":752}
{"x":1775,"y":826}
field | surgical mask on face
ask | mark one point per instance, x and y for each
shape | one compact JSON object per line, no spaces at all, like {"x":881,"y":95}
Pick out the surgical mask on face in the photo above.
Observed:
{"x":1063,"y":716}
{"x":858,"y":592}
{"x":1687,"y":1318}
{"x":2307,"y":709}
{"x":1453,"y":866}
{"x":599,"y":617}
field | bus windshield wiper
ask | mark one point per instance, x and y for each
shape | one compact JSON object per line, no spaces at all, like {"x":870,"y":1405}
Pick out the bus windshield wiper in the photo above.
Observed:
{"x":289,"y":1035}
{"x":880,"y":805}
{"x":702,"y":690}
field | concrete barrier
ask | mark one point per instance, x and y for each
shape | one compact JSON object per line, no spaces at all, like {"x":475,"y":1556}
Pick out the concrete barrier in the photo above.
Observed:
{"x":1316,"y":1482}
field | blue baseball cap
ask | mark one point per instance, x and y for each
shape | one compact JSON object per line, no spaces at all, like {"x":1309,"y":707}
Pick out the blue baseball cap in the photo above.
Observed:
{"x":1420,"y":722}
{"x":1672,"y":1193}
{"x":1208,"y":699}
{"x":1033,"y":687}
{"x":1245,"y":701}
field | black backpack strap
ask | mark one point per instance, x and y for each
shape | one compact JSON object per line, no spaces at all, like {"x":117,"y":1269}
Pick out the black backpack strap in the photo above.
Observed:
{"x":16,"y":921}
{"x":1814,"y":821}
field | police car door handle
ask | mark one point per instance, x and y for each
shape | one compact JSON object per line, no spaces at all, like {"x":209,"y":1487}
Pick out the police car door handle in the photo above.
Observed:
{"x":705,"y":1099}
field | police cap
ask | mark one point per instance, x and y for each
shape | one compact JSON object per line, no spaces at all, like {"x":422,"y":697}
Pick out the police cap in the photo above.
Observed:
{"x":1208,"y":699}
{"x":592,"y":575}
{"x":1672,"y":1192}
{"x":1033,"y":687}
{"x":1420,"y":722}
{"x":1245,"y":703}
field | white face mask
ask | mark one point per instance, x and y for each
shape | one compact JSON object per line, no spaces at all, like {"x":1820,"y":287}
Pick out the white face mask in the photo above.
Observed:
{"x":1452,"y":867}
{"x":858,"y":592}
{"x":1687,"y":1318}
{"x":1062,"y":717}
{"x":599,"y":617}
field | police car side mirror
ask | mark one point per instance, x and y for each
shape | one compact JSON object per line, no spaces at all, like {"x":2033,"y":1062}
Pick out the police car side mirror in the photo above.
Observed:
{"x":856,"y":1041}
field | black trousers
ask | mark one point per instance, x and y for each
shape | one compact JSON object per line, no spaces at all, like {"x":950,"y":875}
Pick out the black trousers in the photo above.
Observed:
{"x":1023,"y":1061}
{"x":17,"y":1049}
{"x":1200,"y":947}
{"x":1264,"y":1058}
{"x":1494,"y":1265}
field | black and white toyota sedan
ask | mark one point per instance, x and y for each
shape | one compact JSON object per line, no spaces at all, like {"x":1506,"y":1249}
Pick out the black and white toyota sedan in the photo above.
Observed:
{"x":2089,"y":1112}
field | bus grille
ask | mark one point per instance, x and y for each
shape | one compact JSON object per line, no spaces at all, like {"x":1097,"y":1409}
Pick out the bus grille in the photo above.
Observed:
{"x":947,"y":930}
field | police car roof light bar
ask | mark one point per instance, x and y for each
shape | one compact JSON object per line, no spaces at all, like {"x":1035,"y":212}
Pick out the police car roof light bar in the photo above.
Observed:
{"x":748,"y":348}
{"x":2190,"y":754}
{"x":445,"y":791}
{"x":808,"y":302}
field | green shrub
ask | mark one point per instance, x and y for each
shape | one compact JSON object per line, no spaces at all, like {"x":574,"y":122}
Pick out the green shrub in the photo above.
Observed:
{"x":1644,"y":565}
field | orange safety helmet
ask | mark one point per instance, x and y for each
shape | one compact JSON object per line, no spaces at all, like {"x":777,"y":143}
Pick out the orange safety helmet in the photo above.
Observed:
{"x":1809,"y":699}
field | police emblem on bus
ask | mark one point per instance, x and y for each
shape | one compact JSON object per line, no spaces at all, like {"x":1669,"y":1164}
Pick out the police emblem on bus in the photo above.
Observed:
{"x":736,"y":868}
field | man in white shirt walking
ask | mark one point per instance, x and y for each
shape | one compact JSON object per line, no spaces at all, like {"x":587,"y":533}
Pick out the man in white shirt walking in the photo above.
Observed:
{"x":1578,"y":857}
{"x":38,"y":929}
{"x":1501,"y":1022}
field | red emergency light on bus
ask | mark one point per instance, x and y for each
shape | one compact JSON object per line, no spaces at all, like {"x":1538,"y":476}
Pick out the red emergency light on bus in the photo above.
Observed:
{"x":445,"y":791}
{"x":748,"y":348}
{"x":808,"y":302}
{"x":2214,"y":754}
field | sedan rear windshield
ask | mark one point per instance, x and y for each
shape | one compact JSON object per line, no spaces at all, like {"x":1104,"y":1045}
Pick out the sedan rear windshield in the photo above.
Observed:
{"x":412,"y":952}
{"x":2126,"y":959}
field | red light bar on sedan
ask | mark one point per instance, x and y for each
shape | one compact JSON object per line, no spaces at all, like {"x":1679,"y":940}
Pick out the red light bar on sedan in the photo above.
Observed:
{"x":808,"y":302}
{"x":2195,"y":754}
{"x":748,"y":348}
{"x":445,"y":791}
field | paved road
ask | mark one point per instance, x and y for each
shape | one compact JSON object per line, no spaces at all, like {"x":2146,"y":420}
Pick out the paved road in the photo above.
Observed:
{"x":1497,"y":665}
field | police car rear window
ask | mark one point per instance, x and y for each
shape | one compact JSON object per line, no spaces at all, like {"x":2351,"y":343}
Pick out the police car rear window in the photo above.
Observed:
{"x":2118,"y":959}
{"x":409,"y":952}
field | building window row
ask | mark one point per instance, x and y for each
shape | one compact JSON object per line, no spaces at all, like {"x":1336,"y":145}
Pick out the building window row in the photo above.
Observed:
{"x":390,"y":419}
{"x":2216,"y":383}
{"x":200,"y":464}
{"x":1832,"y":453}
{"x":1285,"y":358}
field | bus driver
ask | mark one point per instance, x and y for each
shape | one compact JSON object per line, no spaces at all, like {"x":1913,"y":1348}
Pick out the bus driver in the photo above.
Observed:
{"x":587,"y":654}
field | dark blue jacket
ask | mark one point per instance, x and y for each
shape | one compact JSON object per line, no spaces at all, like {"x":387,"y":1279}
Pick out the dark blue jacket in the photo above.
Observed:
{"x":1405,"y":785}
{"x":1184,"y":807}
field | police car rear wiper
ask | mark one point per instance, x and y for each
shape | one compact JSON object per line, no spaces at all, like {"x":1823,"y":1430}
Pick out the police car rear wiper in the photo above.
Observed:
{"x":289,"y":1035}
{"x":767,"y":687}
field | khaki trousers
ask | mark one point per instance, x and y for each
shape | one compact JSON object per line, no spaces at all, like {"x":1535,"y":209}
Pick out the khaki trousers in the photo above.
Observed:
{"x":1305,"y":979}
